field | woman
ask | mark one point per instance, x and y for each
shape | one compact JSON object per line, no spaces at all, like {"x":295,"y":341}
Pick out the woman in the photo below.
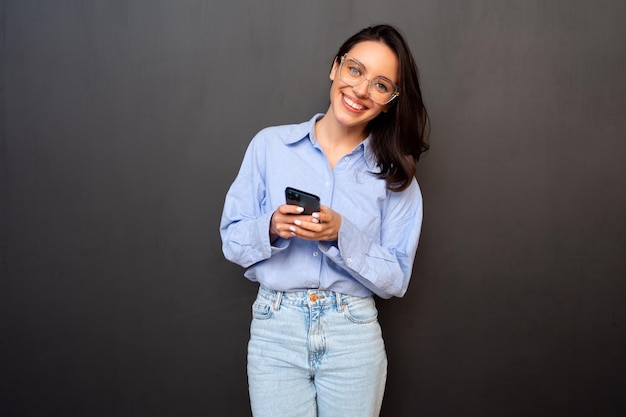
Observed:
{"x":315,"y":343}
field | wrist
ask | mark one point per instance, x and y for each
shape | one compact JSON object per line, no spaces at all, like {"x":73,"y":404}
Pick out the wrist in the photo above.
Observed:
{"x":272,"y":230}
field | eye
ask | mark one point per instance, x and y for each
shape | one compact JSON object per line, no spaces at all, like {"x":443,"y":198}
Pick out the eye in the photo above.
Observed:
{"x":382,"y":86}
{"x":354,"y":70}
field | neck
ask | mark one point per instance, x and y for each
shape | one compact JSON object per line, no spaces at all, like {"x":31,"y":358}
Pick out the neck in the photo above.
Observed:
{"x":332,"y":134}
{"x":337,"y":140}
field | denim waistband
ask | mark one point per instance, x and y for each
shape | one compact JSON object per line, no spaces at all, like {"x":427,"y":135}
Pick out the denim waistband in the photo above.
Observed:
{"x":305,"y":298}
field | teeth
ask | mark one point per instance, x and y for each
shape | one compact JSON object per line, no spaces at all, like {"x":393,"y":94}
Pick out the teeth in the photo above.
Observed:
{"x":352,"y":104}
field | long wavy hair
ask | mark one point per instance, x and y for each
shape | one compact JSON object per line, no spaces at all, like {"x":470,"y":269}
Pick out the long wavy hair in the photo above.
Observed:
{"x":400,"y":135}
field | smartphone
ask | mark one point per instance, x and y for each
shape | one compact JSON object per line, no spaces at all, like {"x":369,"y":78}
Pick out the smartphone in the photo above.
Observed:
{"x":310,"y":202}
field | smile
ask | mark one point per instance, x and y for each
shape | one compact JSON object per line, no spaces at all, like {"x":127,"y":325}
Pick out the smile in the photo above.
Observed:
{"x":352,"y":104}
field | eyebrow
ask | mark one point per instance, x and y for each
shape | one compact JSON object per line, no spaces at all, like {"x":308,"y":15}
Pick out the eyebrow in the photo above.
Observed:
{"x":365,"y":68}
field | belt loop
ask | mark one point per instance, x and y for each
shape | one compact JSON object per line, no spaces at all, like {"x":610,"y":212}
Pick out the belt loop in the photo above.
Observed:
{"x":278,"y":300}
{"x":339,"y":302}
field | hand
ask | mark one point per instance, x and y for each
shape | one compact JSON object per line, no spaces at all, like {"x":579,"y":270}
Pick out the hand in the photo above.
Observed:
{"x":287,"y":222}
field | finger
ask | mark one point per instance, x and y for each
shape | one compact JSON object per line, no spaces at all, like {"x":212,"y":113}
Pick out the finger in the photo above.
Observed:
{"x":291,"y":209}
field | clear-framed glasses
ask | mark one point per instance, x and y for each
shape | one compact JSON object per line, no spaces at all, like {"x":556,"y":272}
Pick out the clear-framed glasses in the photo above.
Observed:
{"x":381,"y":90}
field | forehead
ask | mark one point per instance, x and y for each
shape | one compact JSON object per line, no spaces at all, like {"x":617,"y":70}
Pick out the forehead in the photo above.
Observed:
{"x":378,"y":59}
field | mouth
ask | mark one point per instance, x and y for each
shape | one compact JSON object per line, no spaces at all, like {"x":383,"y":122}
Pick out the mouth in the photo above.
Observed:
{"x":353,"y":104}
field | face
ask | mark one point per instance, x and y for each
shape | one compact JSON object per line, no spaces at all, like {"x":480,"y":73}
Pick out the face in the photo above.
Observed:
{"x":352,"y":106}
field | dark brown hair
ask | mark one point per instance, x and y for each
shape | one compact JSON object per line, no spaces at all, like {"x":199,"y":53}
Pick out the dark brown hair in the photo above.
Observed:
{"x":400,"y":135}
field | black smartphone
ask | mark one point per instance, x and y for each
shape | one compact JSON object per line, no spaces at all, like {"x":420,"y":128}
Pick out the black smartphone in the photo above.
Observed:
{"x":310,"y":202}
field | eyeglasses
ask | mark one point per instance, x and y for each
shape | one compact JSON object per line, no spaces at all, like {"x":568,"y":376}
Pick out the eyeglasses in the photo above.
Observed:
{"x":381,"y":90}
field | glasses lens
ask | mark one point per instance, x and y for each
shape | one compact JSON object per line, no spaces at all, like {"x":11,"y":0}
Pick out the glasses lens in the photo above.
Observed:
{"x":352,"y":73}
{"x":381,"y":90}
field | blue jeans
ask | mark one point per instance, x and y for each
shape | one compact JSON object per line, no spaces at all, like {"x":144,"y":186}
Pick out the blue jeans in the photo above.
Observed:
{"x":315,"y":353}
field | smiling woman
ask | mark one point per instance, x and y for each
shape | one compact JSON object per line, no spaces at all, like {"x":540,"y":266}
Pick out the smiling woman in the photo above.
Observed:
{"x":316,"y":346}
{"x":352,"y":106}
{"x":381,"y":89}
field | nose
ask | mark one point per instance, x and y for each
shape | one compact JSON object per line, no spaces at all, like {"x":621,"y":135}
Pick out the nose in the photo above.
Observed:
{"x":362,"y":89}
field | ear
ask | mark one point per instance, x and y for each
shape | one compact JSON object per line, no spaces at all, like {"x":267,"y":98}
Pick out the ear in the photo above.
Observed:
{"x":334,"y":69}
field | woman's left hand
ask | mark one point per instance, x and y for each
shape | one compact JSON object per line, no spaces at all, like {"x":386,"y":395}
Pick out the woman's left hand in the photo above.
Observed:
{"x":323,"y":225}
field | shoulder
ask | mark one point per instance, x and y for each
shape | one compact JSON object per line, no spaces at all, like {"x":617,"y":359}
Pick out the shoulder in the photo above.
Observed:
{"x":409,"y":197}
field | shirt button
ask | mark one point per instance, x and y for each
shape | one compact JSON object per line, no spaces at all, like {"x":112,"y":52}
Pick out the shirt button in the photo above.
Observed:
{"x":328,"y":183}
{"x":315,"y":254}
{"x":349,"y":260}
{"x":347,"y":158}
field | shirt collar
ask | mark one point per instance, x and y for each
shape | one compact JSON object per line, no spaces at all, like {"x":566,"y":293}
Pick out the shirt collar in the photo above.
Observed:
{"x":302,"y":130}
{"x":306,"y":130}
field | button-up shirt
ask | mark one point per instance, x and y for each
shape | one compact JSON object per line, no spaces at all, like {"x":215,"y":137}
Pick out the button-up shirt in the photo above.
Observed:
{"x":379,"y":231}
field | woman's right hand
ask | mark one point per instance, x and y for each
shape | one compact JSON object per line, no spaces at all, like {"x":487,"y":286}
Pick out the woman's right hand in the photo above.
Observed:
{"x":282,"y":221}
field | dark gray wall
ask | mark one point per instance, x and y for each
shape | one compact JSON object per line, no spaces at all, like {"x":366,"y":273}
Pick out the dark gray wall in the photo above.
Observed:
{"x":124,"y":122}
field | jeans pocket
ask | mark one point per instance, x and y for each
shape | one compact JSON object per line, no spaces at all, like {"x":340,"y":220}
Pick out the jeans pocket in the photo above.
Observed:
{"x":261,"y":309}
{"x":360,"y":310}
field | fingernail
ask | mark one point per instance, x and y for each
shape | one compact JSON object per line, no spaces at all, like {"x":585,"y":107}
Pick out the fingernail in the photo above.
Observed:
{"x":300,"y":209}
{"x":298,"y":222}
{"x":293,"y":229}
{"x":316,"y":215}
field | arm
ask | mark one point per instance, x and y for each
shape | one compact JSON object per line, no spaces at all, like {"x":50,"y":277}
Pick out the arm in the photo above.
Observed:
{"x":383,"y":266}
{"x":245,"y":221}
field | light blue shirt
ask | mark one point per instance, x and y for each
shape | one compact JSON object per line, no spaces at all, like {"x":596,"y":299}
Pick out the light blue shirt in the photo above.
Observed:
{"x":379,"y":231}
